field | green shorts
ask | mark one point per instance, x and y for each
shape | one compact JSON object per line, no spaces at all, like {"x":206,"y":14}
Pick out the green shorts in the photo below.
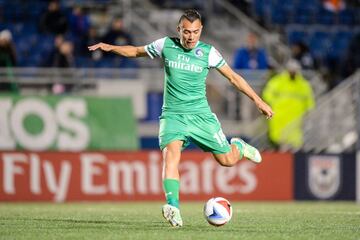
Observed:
{"x":202,"y":129}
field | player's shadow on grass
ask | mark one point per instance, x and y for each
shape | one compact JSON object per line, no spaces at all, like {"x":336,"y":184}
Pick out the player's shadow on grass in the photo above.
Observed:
{"x":66,"y":220}
{"x":115,"y":224}
{"x":205,"y":227}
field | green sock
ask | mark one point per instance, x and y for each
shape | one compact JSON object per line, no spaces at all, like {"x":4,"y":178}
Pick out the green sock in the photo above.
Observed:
{"x":171,"y":189}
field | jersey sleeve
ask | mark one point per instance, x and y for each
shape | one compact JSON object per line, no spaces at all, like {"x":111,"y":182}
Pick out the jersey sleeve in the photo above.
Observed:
{"x":155,"y":48}
{"x":215,"y":59}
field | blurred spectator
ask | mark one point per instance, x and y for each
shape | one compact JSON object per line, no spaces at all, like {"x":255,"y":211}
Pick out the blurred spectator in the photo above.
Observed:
{"x":79,"y":25}
{"x":49,"y":60}
{"x":7,"y":59}
{"x":290,"y":96}
{"x":88,"y":39}
{"x":53,"y":20}
{"x":79,"y":22}
{"x":252,"y":56}
{"x":64,"y":57}
{"x":300,"y":52}
{"x":117,"y":35}
{"x":334,"y":5}
{"x":352,"y":61}
{"x":7,"y":49}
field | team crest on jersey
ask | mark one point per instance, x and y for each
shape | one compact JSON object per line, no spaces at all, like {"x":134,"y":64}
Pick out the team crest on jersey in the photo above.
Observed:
{"x":199,"y":52}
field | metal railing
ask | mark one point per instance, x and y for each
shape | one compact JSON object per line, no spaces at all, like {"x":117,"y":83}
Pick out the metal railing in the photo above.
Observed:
{"x":333,"y":125}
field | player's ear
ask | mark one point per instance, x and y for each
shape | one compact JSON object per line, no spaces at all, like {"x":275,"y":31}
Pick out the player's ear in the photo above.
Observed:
{"x":178,"y":29}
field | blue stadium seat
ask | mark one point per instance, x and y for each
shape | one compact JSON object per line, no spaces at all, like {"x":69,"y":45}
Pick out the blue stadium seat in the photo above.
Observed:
{"x":45,"y":43}
{"x":344,"y":34}
{"x":320,"y":43}
{"x":259,"y":6}
{"x":294,"y":36}
{"x":311,"y":26}
{"x":278,"y":16}
{"x":325,"y":17}
{"x":305,"y":13}
{"x":340,"y":42}
{"x":303,"y":17}
{"x":347,"y":17}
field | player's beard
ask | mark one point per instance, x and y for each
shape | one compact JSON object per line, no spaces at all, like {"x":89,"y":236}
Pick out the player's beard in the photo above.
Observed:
{"x":192,"y":45}
{"x":186,"y":46}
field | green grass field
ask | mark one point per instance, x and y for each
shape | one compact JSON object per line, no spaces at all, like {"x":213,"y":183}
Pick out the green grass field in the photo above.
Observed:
{"x":251,"y":220}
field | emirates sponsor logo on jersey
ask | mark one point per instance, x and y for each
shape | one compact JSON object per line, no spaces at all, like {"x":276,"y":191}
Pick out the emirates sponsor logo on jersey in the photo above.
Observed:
{"x":183,"y":66}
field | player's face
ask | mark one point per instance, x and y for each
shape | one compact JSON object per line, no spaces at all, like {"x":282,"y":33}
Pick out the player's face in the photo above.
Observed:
{"x":189,"y":33}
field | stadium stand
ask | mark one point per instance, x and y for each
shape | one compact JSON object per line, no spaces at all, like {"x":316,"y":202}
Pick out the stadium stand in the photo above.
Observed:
{"x":34,"y":44}
{"x":283,"y":23}
{"x":327,"y":33}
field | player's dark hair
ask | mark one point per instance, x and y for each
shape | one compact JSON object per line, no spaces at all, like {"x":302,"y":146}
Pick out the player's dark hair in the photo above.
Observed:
{"x":191,"y":15}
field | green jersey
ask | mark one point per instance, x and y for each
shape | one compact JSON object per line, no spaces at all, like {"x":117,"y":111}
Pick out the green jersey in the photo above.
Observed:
{"x":185,"y":74}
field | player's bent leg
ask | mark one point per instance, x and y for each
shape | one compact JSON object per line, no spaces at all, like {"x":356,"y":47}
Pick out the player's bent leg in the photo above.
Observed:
{"x":248,"y":151}
{"x":228,"y":159}
{"x":171,"y":184}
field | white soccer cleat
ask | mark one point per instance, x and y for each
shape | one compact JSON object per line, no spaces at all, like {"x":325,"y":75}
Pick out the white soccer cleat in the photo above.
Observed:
{"x":172,"y":215}
{"x":248,"y":151}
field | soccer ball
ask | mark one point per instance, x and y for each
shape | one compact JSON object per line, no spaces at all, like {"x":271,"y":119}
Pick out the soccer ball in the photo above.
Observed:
{"x":217,"y":211}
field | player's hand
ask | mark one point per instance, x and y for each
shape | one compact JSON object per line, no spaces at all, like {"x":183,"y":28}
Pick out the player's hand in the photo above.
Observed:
{"x":103,"y":46}
{"x":265,"y":109}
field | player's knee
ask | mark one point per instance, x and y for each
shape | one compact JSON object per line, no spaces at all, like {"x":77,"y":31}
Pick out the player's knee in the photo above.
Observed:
{"x":171,"y":153}
{"x":225,"y":159}
{"x":227,"y":162}
{"x":171,"y":156}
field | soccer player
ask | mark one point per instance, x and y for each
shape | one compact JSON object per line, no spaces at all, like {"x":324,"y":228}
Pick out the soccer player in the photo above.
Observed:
{"x":186,"y":114}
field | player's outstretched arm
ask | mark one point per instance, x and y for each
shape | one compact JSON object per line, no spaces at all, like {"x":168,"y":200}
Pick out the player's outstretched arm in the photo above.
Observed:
{"x":244,"y":87}
{"x":126,"y":51}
